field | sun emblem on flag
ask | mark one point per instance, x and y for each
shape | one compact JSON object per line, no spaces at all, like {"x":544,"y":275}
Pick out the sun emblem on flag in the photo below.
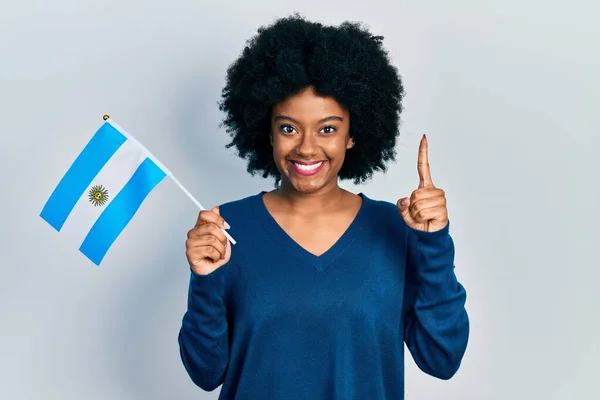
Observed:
{"x":98,"y":195}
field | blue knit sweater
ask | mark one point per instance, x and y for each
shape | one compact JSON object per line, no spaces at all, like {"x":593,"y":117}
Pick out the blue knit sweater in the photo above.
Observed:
{"x":277,"y":322}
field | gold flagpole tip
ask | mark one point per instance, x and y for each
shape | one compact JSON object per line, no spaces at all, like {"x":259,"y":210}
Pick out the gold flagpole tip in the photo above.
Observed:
{"x":106,"y":116}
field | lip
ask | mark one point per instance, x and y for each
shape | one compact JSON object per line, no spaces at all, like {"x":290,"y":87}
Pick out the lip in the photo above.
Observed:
{"x":302,"y":172}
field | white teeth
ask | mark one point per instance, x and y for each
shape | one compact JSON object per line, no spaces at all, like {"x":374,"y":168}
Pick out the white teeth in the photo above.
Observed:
{"x":311,"y":167}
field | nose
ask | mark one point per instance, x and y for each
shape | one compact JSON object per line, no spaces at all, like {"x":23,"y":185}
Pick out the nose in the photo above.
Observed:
{"x":307,"y":148}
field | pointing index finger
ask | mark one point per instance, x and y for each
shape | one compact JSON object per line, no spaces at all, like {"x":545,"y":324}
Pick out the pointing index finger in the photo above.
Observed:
{"x":423,"y":165}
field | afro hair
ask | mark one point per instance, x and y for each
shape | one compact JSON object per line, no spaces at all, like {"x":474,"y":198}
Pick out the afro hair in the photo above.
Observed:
{"x":345,"y":62}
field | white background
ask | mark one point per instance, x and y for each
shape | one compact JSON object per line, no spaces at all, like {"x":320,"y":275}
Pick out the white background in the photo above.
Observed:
{"x":508,"y":93}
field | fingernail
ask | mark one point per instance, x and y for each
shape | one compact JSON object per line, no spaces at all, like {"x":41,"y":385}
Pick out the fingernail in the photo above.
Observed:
{"x":404,"y":201}
{"x":226,"y":225}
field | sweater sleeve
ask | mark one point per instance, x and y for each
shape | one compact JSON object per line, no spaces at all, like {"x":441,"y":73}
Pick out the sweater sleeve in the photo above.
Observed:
{"x":436,"y":324}
{"x":203,"y":337}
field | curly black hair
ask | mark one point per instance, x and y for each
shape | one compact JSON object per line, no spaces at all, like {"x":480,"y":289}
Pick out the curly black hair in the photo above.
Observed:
{"x":345,"y":62}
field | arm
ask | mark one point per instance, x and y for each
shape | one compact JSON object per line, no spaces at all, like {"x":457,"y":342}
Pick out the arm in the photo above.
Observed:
{"x":436,"y":325}
{"x":203,"y":337}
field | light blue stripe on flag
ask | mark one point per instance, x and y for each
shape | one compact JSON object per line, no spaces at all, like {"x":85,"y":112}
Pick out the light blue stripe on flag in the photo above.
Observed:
{"x":121,"y":210}
{"x":105,"y":142}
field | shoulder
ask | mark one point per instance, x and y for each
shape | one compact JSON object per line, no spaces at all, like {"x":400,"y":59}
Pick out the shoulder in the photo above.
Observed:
{"x":378,"y":208}
{"x":244,"y":216}
{"x":239,"y":203}
{"x":237,"y":210}
{"x":383,"y":217}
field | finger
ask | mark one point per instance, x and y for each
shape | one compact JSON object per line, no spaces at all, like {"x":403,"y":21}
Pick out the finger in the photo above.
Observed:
{"x":198,"y":254}
{"x":423,"y":164}
{"x":424,"y":204}
{"x":208,"y":229}
{"x":206,"y":240}
{"x":206,"y":247}
{"x":426,"y":193}
{"x":429,"y":214}
{"x":211,"y":216}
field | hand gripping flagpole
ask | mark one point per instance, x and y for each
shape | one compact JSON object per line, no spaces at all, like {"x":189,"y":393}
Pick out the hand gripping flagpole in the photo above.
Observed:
{"x":106,"y":117}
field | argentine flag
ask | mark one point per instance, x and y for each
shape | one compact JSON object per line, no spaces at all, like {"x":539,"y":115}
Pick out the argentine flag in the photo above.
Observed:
{"x":102,"y":190}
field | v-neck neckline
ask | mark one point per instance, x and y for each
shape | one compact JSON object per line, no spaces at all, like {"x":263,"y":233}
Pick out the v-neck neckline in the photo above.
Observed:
{"x":294,"y":248}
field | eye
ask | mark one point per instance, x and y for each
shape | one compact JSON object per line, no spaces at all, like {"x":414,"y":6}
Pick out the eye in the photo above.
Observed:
{"x":328,"y":129}
{"x":286,"y":129}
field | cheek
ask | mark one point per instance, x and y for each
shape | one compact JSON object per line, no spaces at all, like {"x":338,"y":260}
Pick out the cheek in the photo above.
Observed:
{"x":335,"y":149}
{"x":281,"y":150}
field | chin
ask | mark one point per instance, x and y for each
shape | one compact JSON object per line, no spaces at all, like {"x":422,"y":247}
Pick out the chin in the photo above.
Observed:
{"x":307,"y":187}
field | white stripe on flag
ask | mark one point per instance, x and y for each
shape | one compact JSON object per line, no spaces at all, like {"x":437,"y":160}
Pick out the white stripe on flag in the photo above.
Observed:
{"x":112,"y":177}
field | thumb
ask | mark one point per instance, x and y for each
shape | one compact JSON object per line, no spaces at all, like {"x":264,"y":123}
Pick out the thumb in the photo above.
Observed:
{"x":403,"y":205}
{"x":216,"y":210}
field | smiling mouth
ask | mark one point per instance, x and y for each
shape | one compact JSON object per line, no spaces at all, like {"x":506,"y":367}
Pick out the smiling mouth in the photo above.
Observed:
{"x":307,"y":168}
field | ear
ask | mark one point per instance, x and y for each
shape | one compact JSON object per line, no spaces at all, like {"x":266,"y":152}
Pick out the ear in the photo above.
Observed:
{"x":350,"y":144}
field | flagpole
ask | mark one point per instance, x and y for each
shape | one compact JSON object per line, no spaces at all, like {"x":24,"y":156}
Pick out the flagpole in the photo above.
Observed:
{"x":106,"y":117}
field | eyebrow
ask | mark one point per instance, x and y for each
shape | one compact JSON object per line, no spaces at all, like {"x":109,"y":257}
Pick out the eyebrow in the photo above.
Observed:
{"x":330,"y":118}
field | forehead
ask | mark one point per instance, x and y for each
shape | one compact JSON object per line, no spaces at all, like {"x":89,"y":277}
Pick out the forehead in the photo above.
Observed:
{"x":307,"y":104}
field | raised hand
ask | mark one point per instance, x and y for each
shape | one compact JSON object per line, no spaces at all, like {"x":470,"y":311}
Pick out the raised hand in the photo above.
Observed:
{"x":207,"y":247}
{"x":425,"y":209}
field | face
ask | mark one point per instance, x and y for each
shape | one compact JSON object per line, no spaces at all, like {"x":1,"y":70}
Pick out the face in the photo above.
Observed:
{"x":310,"y":136}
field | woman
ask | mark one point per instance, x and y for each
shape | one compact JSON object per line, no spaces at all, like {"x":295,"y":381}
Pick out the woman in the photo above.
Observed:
{"x":324,"y":286}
